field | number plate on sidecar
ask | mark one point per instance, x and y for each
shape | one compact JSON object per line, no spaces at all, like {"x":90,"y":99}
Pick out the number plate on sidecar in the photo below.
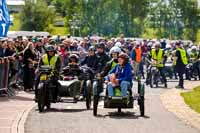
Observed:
{"x":43,"y":77}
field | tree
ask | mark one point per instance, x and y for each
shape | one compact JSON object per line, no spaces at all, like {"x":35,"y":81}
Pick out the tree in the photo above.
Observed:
{"x":36,"y":16}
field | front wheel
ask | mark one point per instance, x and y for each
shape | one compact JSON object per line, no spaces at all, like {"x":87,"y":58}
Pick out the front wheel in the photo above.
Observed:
{"x":88,"y":94}
{"x":95,"y":105}
{"x":41,"y":100}
{"x":151,"y":81}
{"x":141,"y":104}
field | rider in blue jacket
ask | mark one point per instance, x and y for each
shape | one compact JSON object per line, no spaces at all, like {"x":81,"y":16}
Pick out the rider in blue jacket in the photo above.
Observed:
{"x":120,"y":75}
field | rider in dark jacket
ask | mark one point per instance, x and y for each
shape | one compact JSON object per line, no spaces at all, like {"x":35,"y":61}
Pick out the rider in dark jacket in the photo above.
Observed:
{"x":103,"y":58}
{"x":91,"y":60}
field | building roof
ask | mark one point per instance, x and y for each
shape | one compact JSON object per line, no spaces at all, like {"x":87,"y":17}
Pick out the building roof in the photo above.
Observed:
{"x":15,"y":2}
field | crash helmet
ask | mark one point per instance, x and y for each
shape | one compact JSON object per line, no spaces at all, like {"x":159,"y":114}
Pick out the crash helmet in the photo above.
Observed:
{"x":50,"y":48}
{"x":194,"y":47}
{"x":168,"y":46}
{"x":157,"y":44}
{"x":118,"y":44}
{"x":101,"y":45}
{"x":115,"y":49}
{"x":149,"y":44}
{"x":91,"y":48}
{"x":73,"y":57}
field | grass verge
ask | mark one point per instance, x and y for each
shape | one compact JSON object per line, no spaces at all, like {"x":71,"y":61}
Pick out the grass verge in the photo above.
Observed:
{"x":192,"y":98}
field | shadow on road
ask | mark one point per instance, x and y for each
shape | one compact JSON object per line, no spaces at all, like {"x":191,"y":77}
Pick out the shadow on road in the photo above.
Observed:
{"x":63,"y":110}
{"x":122,"y":115}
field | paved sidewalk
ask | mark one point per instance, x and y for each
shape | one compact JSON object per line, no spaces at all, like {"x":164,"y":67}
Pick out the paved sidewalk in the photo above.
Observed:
{"x":174,"y":102}
{"x":12,"y":111}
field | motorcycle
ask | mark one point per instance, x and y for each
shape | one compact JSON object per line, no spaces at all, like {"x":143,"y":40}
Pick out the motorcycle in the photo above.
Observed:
{"x":68,"y":86}
{"x":153,"y":75}
{"x":44,"y":88}
{"x":117,"y":101}
{"x":192,"y":70}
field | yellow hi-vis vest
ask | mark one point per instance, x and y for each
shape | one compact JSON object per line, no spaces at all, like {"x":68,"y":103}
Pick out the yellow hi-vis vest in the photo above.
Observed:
{"x":158,"y":57}
{"x":183,"y":56}
{"x":52,"y":62}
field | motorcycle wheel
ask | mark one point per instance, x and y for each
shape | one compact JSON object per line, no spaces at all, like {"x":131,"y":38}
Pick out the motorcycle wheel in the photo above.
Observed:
{"x":141,"y":104}
{"x":151,"y":81}
{"x":41,"y":100}
{"x":48,"y":103}
{"x":95,"y":105}
{"x":88,"y":95}
{"x":119,"y":110}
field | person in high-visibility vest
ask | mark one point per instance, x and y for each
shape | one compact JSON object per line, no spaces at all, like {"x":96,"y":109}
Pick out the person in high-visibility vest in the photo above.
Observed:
{"x":158,"y":55}
{"x":194,"y":59}
{"x":53,"y":60}
{"x":181,"y":62}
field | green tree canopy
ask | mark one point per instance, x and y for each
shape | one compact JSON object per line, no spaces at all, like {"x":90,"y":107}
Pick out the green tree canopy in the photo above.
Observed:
{"x":36,"y":16}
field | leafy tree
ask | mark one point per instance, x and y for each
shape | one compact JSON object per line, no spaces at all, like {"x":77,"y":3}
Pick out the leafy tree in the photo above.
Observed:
{"x":36,"y":16}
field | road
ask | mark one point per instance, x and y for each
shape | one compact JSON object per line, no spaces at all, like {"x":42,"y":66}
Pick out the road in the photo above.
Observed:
{"x":74,"y":118}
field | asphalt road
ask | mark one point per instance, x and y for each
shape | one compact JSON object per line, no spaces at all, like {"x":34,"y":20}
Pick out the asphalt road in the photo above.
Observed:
{"x":74,"y":118}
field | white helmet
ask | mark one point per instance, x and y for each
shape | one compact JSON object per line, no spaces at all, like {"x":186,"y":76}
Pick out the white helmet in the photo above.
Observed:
{"x":115,"y":49}
{"x":118,"y":44}
{"x":194,"y":47}
{"x":157,"y":44}
{"x":137,"y":42}
{"x":168,"y":46}
{"x":149,"y":44}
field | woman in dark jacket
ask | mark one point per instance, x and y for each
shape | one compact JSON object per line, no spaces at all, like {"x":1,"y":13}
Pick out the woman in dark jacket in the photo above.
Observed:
{"x":29,"y":56}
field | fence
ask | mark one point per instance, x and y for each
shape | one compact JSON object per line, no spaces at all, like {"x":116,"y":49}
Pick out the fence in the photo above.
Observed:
{"x":8,"y":75}
{"x":4,"y":74}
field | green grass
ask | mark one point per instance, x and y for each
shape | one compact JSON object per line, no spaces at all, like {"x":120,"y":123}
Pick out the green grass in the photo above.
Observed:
{"x":16,"y":23}
{"x":58,"y":31}
{"x":192,"y":98}
{"x":55,"y":30}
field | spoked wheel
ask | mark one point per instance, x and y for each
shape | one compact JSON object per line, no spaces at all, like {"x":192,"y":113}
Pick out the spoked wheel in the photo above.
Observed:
{"x":88,"y":94}
{"x":119,"y":110}
{"x":48,"y":103}
{"x":151,"y":81}
{"x":141,"y":104}
{"x":95,"y":105}
{"x":141,"y":91}
{"x":41,"y":100}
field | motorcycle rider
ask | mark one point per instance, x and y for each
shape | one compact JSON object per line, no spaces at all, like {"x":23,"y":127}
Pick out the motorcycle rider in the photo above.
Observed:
{"x":114,"y":53}
{"x":91,"y":60}
{"x":103,"y":58}
{"x":52,"y":59}
{"x":194,"y":58}
{"x":158,"y":55}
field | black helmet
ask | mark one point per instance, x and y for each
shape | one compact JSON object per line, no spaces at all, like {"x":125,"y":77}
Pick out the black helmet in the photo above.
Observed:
{"x":91,"y":48}
{"x":50,"y":48}
{"x":101,"y":45}
{"x":75,"y":57}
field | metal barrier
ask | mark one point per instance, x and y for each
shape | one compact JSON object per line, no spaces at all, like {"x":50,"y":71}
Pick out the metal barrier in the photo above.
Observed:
{"x":8,"y":75}
{"x":4,"y":73}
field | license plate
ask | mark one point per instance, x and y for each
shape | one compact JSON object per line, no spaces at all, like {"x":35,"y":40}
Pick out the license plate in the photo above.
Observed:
{"x":43,"y":77}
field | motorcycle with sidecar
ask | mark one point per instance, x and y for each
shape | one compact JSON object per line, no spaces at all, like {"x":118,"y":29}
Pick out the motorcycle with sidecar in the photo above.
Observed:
{"x":117,"y":101}
{"x":71,"y":80}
